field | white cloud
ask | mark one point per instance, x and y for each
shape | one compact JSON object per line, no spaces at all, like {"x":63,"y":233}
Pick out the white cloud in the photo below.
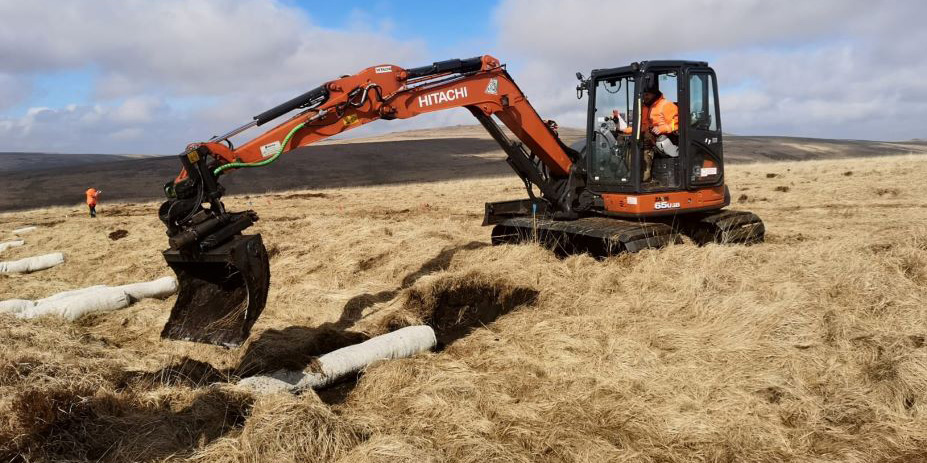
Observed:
{"x":74,"y":126}
{"x":128,"y":134}
{"x":828,"y":68}
{"x":202,"y":47}
{"x":139,"y":110}
{"x":831,"y":90}
{"x":582,"y":30}
{"x":247,"y":55}
{"x":169,"y":72}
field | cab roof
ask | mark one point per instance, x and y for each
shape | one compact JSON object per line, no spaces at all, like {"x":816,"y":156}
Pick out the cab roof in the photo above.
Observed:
{"x":643,"y":66}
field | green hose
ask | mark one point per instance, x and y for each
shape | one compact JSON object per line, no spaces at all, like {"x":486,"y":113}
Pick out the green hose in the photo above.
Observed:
{"x":233,"y":165}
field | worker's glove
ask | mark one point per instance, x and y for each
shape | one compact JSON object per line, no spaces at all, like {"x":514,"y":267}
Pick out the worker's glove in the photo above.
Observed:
{"x":619,"y":121}
{"x":656,"y":130}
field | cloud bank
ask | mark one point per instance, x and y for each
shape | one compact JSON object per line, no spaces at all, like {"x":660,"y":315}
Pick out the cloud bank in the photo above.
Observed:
{"x":828,"y":68}
{"x":170,"y":72}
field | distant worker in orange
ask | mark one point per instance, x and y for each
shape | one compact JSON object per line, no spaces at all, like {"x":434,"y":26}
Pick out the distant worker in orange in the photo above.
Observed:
{"x":92,"y":195}
{"x":659,"y":116}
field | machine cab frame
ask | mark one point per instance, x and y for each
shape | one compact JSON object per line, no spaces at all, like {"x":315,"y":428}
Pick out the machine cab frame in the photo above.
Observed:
{"x":615,"y":157}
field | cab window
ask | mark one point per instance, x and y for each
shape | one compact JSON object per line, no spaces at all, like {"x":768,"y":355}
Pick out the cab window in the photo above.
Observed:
{"x":704,"y":131}
{"x":703,"y":114}
{"x":610,"y":154}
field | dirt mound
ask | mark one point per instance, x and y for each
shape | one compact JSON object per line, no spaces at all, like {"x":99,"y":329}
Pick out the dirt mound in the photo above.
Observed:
{"x":456,"y":304}
{"x":292,"y":348}
{"x":118,"y":234}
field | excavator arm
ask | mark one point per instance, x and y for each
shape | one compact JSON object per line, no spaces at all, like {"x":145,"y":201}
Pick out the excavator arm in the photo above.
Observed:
{"x":390,"y":92}
{"x":224,"y":275}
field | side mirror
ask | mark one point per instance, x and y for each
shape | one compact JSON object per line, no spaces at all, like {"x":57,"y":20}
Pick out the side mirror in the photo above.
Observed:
{"x":583,"y":84}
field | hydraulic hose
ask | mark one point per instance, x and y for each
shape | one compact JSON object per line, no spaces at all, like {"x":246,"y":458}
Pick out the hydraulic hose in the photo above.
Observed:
{"x":235,"y":165}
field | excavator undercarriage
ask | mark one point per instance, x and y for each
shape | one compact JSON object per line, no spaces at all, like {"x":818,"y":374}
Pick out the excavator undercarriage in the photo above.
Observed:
{"x":225,"y":275}
{"x":607,"y":236}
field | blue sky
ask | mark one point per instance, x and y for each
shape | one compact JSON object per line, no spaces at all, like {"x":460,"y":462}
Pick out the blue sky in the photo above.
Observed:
{"x":58,"y":88}
{"x":146,"y":76}
{"x":443,"y":24}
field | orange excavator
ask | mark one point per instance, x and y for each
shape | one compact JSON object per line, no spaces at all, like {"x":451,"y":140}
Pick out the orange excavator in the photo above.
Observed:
{"x":588,"y":198}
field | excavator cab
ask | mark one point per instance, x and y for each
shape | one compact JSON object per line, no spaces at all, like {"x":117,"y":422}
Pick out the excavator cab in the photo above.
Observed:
{"x":619,"y":140}
{"x":631,"y":187}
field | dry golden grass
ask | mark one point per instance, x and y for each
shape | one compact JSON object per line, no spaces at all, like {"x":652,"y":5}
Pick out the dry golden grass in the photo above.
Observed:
{"x":809,"y":347}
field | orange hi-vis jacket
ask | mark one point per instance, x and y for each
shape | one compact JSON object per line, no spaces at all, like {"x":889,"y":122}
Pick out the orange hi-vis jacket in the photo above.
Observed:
{"x":92,"y":196}
{"x":662,"y":114}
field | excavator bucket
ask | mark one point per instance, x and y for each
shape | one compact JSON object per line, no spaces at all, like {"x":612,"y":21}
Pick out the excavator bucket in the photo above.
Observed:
{"x":222,"y":291}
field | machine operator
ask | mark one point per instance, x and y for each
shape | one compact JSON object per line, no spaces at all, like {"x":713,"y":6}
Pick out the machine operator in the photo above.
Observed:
{"x":659,"y":124}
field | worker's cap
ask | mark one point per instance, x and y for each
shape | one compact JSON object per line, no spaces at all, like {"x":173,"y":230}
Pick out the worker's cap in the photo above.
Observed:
{"x":651,"y":84}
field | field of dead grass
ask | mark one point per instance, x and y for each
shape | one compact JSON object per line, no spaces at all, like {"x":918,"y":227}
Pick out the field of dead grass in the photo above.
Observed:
{"x":809,"y":347}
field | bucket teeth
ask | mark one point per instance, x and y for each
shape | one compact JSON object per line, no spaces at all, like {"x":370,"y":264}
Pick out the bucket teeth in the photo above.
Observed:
{"x":222,"y":292}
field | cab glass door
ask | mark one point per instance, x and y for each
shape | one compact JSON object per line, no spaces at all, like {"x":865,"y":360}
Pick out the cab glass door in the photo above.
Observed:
{"x":661,"y":147}
{"x":611,"y":151}
{"x":703,"y":131}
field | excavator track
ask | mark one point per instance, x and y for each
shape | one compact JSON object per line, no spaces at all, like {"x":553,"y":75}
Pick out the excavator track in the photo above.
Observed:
{"x":606,"y":236}
{"x":722,"y":227}
{"x":598,"y":236}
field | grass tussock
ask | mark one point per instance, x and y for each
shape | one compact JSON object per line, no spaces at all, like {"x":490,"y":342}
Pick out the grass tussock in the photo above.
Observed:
{"x":808,"y":347}
{"x":288,"y":429}
{"x":72,"y":422}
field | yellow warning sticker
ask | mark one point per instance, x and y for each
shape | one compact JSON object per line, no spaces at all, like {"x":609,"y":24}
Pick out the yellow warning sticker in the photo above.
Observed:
{"x":349,"y":119}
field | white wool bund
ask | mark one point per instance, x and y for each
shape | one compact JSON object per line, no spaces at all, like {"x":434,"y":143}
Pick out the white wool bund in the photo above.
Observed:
{"x":15,"y":305}
{"x":160,"y":288}
{"x":76,"y":303}
{"x":32,"y":264}
{"x":72,"y":307}
{"x":334,"y":365}
{"x":20,"y":231}
{"x":11,"y":244}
